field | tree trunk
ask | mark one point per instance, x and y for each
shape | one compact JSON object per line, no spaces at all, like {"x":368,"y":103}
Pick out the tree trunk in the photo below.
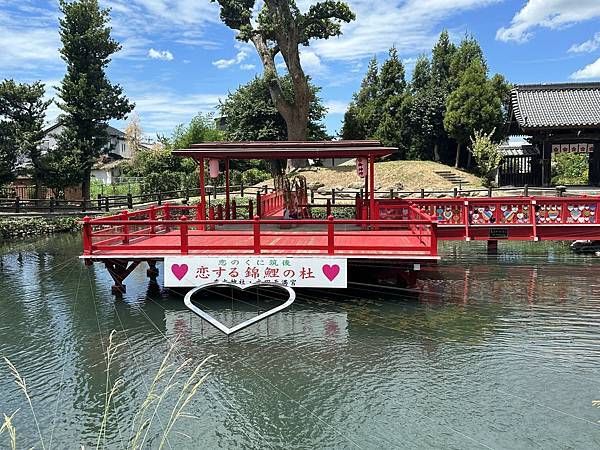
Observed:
{"x":436,"y":152}
{"x":457,"y":163}
{"x":85,"y":183}
{"x":297,"y":131}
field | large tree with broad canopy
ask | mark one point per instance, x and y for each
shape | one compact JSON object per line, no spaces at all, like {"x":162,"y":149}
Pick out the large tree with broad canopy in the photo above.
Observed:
{"x":280,"y":28}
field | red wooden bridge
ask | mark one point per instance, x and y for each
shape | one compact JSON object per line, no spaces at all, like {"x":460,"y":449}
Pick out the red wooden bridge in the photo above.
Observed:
{"x":402,"y":234}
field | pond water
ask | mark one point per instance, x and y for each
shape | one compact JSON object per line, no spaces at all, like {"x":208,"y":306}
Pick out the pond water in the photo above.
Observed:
{"x":490,"y":351}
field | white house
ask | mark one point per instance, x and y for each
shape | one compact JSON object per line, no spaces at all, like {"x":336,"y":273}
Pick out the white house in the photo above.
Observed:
{"x":109,"y":166}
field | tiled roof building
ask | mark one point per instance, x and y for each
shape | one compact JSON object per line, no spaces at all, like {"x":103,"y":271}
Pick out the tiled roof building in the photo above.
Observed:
{"x":555,"y":117}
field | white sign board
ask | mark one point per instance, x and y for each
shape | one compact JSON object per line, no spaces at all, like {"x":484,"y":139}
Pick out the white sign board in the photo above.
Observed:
{"x":191,"y":271}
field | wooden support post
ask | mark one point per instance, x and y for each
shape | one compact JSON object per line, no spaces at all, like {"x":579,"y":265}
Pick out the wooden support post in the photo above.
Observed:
{"x":99,"y":197}
{"x":526,"y":190}
{"x":233,"y":209}
{"x":256,"y":230}
{"x":106,"y":205}
{"x":53,"y":204}
{"x":258,"y":205}
{"x":333,"y":196}
{"x":227,"y":188}
{"x":129,"y":201}
{"x":202,"y":188}
{"x":17,"y":204}
{"x":455,"y":193}
{"x":328,"y":207}
{"x":372,"y":187}
{"x":118,"y":271}
{"x":159,"y":198}
{"x":490,"y":192}
{"x":183,"y":231}
{"x":152,"y":271}
{"x":391,"y":192}
{"x":330,"y":235}
{"x":241,"y":188}
{"x":312,"y":195}
{"x":422,"y":193}
{"x":250,"y":209}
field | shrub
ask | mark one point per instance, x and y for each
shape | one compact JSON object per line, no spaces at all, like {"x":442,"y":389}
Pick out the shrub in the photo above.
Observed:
{"x":252,"y":176}
{"x":10,"y":228}
{"x":570,"y":168}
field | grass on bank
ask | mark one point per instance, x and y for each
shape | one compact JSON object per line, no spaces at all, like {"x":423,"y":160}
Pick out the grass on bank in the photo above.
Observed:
{"x":169,"y":384}
{"x":397,"y":175}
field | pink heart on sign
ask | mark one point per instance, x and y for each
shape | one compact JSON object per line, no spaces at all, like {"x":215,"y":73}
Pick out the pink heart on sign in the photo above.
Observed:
{"x":331,"y":271}
{"x":179,"y":270}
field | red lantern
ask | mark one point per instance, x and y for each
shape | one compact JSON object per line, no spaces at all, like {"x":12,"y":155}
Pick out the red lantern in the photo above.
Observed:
{"x":213,"y":165}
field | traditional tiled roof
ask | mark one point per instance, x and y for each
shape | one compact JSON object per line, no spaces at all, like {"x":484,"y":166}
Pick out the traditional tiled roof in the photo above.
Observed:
{"x":518,"y":150}
{"x":557,"y":105}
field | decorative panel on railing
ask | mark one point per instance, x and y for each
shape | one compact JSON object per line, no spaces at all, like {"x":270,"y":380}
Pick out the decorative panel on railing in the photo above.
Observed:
{"x":515,"y":213}
{"x":445,"y":214}
{"x":482,"y":215}
{"x":580,"y":213}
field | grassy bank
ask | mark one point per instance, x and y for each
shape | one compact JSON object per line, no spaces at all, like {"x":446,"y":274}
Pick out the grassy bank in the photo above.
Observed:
{"x":22,"y":227}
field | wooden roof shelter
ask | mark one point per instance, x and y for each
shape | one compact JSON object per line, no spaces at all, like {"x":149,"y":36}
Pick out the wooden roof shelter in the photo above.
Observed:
{"x":558,"y":115}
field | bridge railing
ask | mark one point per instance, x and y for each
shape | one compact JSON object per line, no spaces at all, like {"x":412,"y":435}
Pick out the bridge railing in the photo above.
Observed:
{"x":160,"y":230}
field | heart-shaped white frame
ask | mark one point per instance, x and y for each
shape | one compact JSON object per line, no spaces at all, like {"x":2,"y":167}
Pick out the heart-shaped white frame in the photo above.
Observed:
{"x":228,"y":331}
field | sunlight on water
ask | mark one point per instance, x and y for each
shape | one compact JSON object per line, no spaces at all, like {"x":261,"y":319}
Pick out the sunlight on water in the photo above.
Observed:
{"x":498,"y":352}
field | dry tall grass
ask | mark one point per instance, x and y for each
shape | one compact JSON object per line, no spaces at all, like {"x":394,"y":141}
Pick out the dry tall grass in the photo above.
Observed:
{"x":166,"y":381}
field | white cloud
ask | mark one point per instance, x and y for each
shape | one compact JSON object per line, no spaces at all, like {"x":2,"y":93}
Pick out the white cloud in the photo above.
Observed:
{"x":551,"y":14}
{"x":151,"y":104}
{"x":164,"y":55}
{"x":247,"y":66}
{"x":28,"y":48}
{"x":587,"y":46}
{"x":410,"y":25}
{"x":242,"y":55}
{"x":591,"y":71}
{"x":336,"y":106}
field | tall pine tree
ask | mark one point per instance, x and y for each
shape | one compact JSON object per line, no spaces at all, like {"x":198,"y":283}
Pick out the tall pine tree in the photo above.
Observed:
{"x":360,"y":120}
{"x":474,"y":106}
{"x":89,"y":99}
{"x":23,"y":108}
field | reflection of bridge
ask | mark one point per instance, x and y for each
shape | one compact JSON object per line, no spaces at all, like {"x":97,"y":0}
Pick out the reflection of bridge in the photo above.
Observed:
{"x":400,"y":233}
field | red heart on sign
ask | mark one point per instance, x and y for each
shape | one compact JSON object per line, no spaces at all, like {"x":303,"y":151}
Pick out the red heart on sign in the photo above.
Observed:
{"x":331,"y":272}
{"x":179,"y":270}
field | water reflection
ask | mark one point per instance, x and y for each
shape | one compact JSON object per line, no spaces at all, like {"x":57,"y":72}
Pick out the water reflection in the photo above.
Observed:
{"x":487,"y":351}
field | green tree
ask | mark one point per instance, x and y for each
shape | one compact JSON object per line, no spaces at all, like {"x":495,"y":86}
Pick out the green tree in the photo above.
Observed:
{"x":474,"y":105}
{"x":487,"y":155}
{"x":23,"y":111}
{"x":281,"y":28}
{"x":200,"y":129}
{"x":441,"y":59}
{"x":421,"y":74}
{"x":89,"y":99}
{"x":468,"y":51}
{"x":250,"y":114}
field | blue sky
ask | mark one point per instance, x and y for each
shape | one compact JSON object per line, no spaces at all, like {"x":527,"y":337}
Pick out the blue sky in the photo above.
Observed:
{"x":178,"y":59}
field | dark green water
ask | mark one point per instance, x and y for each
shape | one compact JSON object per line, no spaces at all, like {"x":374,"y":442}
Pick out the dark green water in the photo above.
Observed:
{"x":492,"y":352}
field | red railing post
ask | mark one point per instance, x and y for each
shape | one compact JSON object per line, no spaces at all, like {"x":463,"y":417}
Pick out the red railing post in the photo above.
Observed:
{"x":533,"y":218}
{"x":183,"y":231}
{"x":256,"y":230}
{"x":211,"y":216}
{"x":87,"y":236}
{"x":124,"y":217}
{"x":466,"y":219}
{"x":330,"y":235}
{"x":167,"y":215}
{"x":152,"y":216}
{"x":258,"y":205}
{"x":434,"y":240}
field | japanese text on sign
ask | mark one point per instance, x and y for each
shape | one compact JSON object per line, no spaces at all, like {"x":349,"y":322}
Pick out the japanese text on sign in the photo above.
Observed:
{"x":189,"y":271}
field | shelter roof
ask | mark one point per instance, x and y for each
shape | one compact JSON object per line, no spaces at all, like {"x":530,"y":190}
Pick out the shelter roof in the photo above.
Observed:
{"x":518,"y":150}
{"x":556,"y":106}
{"x":285,"y":150}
